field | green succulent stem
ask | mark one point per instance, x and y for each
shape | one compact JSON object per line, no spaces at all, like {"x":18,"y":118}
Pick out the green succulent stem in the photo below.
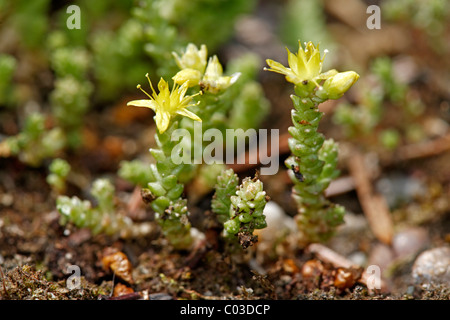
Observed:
{"x":165,"y":189}
{"x":312,"y":167}
{"x":227,"y":183}
{"x":102,"y":218}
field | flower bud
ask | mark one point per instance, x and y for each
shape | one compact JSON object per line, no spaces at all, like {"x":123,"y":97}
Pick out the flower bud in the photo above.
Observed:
{"x":213,"y":79}
{"x":335,"y":86}
{"x":191,"y":76}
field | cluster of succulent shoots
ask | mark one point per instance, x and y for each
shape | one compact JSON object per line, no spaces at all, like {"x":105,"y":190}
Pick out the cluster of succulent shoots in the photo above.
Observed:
{"x":102,"y":218}
{"x":312,"y":165}
{"x":69,"y":102}
{"x":199,"y":86}
{"x":198,"y":94}
{"x":240,"y":207}
{"x":164,"y":190}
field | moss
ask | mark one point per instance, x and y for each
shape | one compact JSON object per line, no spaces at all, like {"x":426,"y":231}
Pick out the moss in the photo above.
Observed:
{"x":25,"y":283}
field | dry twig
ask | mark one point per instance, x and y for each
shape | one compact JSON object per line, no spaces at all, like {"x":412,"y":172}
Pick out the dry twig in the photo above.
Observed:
{"x":374,"y":205}
{"x":423,"y":149}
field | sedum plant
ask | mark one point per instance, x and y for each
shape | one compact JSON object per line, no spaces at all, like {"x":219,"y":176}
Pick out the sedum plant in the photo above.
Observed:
{"x":35,"y":142}
{"x":112,"y":34}
{"x":102,"y":218}
{"x":176,"y":109}
{"x":58,"y":171}
{"x":164,"y":190}
{"x":227,"y":183}
{"x":227,"y":101}
{"x":72,"y":90}
{"x":239,"y":207}
{"x":312,"y":164}
{"x":197,"y":95}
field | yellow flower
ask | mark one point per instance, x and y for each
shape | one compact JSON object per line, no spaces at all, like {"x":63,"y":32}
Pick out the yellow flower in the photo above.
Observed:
{"x":305,"y":66}
{"x":167,"y":104}
{"x":192,"y":58}
{"x":195,"y":70}
{"x":213,"y":81}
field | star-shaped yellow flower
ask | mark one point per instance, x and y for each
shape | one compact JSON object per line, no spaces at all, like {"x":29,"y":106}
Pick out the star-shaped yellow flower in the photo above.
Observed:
{"x":192,"y":58}
{"x":305,"y":66}
{"x":195,"y":70}
{"x":167,"y":104}
{"x":213,"y":79}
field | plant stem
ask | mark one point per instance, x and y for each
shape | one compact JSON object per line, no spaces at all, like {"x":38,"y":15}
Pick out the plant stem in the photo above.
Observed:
{"x":312,"y":167}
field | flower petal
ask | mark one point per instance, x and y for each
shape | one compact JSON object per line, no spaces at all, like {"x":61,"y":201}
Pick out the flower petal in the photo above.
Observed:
{"x":314,"y":64}
{"x":277,"y":67}
{"x":301,"y":61}
{"x":295,"y":63}
{"x":213,"y":71}
{"x":143,"y":103}
{"x":162,"y":120}
{"x":189,"y":114}
{"x":182,"y":91}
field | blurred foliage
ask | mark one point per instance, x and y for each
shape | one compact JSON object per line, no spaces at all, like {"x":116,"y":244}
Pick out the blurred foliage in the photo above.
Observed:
{"x":29,"y":19}
{"x":248,"y":106}
{"x":117,"y":43}
{"x":430,"y":16}
{"x":72,"y":89}
{"x":58,"y":171}
{"x":7,"y":66}
{"x":304,"y":19}
{"x":382,"y":94}
{"x":135,"y":171}
{"x":35,"y":142}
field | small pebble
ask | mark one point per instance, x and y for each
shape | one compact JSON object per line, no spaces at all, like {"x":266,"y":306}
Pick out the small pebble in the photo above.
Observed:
{"x":410,"y":290}
{"x":278,"y":222}
{"x":354,"y":223}
{"x":208,"y":294}
{"x":359,"y":258}
{"x":432,"y":266}
{"x":410,"y":241}
{"x":159,"y":296}
{"x":6,"y":199}
{"x":400,"y":189}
